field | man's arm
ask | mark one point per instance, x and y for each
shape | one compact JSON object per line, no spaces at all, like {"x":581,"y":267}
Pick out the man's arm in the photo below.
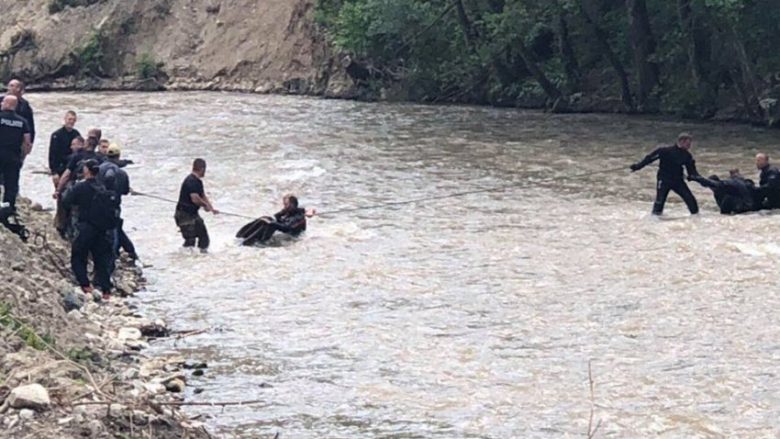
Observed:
{"x":32,"y":123}
{"x":650,"y":158}
{"x":203,"y":202}
{"x":53,"y":155}
{"x":690,"y":168}
{"x":706,"y":182}
{"x":26,"y":146}
{"x":61,"y":184}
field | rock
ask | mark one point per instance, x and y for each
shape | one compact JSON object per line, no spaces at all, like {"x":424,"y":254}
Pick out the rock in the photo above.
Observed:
{"x":31,"y":396}
{"x":154,"y":388}
{"x":18,"y":266}
{"x":198,"y":391}
{"x":36,"y":207}
{"x":75,"y":315}
{"x":26,"y":414}
{"x":94,"y":428}
{"x":198,"y":373}
{"x":155,"y":330}
{"x":73,"y":301}
{"x":190,"y":364}
{"x":175,"y":386}
{"x":126,"y":334}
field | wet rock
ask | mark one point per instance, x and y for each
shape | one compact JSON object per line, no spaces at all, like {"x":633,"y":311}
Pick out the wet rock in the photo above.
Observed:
{"x":18,"y":266}
{"x":31,"y":396}
{"x":26,"y":414}
{"x":156,"y":329}
{"x":175,"y":386}
{"x":190,"y":364}
{"x":126,"y":334}
{"x":198,"y":372}
{"x":199,"y":390}
{"x":36,"y":207}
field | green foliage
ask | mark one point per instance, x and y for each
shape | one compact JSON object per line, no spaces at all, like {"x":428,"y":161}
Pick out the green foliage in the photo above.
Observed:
{"x":423,"y":43}
{"x":23,"y":331}
{"x":146,"y":67}
{"x":56,"y":6}
{"x":90,"y":56}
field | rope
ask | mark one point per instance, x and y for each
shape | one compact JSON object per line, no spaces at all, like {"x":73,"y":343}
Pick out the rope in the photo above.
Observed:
{"x":168,"y":200}
{"x":414,"y":200}
{"x":461,"y":194}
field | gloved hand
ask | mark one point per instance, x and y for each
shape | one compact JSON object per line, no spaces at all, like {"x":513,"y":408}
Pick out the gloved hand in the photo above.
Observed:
{"x":634,"y":167}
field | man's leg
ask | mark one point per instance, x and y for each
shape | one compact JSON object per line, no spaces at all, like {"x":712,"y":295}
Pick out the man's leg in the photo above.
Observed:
{"x":662,"y":192}
{"x":80,"y":253}
{"x":186,"y":225}
{"x":202,"y":233}
{"x":103,"y":255}
{"x":125,"y":242}
{"x":685,"y":193}
{"x":11,"y":173}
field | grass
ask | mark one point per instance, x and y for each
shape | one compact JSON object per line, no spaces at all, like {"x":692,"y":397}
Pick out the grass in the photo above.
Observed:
{"x":25,"y":332}
{"x":147,"y":67}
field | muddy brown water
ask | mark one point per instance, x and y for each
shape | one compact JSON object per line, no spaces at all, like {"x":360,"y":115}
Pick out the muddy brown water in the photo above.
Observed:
{"x":472,"y":317}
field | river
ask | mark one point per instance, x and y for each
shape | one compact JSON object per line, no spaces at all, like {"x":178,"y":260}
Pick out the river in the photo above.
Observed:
{"x":472,"y":317}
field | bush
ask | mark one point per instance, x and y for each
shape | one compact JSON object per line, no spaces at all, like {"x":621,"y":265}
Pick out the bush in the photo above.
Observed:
{"x":90,"y":55}
{"x":60,"y":5}
{"x":147,"y":67}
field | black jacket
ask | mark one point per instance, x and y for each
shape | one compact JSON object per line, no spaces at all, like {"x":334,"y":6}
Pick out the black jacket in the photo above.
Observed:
{"x":293,"y":219}
{"x":81,"y":195}
{"x":24,"y":110}
{"x":770,"y":187}
{"x":733,"y":195}
{"x":59,"y":149}
{"x":672,"y":160}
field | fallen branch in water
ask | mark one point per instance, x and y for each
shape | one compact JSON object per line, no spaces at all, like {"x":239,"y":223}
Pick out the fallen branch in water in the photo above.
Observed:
{"x":591,"y":429}
{"x":183,"y":334}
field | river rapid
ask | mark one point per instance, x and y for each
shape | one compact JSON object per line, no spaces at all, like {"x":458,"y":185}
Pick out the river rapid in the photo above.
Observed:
{"x":472,"y":317}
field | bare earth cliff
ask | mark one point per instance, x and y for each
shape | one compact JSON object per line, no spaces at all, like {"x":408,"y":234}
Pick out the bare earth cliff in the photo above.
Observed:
{"x":247,"y":45}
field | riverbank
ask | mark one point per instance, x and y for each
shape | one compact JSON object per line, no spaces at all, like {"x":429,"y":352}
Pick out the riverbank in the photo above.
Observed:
{"x":74,"y":368}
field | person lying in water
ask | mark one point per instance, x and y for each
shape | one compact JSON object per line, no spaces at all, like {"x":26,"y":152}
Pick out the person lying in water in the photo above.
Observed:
{"x":290,"y":220}
{"x":734,"y":195}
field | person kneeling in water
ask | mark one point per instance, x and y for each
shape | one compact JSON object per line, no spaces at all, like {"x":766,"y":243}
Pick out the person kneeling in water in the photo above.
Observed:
{"x":734,"y":195}
{"x":290,"y":220}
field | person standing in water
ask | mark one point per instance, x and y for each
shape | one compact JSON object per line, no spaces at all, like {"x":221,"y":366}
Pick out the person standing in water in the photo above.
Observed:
{"x":672,"y":160}
{"x":191,"y":198}
{"x":769,"y":183}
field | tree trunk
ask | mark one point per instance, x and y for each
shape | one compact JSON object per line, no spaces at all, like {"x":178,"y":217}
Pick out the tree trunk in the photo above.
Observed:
{"x":602,"y":43}
{"x":469,"y":33}
{"x":750,"y":90}
{"x":549,"y":88}
{"x":643,"y":45}
{"x":566,"y":51}
{"x":698,"y":57}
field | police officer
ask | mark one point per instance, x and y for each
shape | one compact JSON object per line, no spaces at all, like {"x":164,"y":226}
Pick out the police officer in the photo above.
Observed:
{"x":59,"y":146}
{"x":769,"y":182}
{"x":15,"y":145}
{"x":97,"y":219}
{"x":672,"y":160}
{"x":191,"y":198}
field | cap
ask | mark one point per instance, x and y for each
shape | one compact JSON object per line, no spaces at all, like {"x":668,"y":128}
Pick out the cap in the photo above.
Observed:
{"x":114,"y":150}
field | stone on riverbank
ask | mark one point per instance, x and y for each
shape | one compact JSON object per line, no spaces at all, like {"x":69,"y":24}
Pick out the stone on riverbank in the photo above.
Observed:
{"x":31,"y":396}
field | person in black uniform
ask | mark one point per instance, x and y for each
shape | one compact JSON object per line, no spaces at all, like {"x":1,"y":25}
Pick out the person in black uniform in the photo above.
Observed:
{"x":670,"y":172}
{"x":73,"y":171}
{"x":15,"y":145}
{"x":113,"y":177}
{"x":769,"y":183}
{"x":291,"y":219}
{"x":734,"y":195}
{"x":23,"y":108}
{"x":191,"y":198}
{"x":97,"y":219}
{"x":59,"y":147}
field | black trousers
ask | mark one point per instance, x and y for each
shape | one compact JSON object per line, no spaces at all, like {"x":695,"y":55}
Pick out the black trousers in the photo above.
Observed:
{"x":98,"y":244}
{"x":10,"y":171}
{"x":192,"y":229}
{"x":678,"y":187}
